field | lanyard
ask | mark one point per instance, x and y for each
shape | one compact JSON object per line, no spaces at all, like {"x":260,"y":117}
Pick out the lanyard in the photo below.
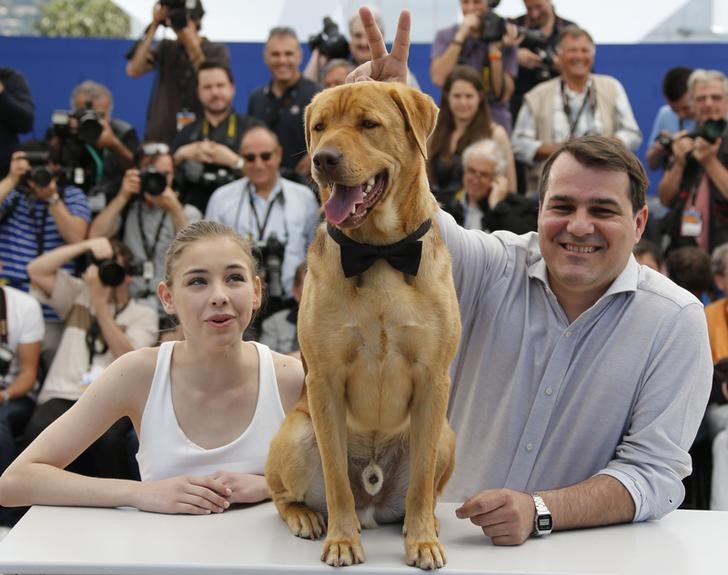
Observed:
{"x":95,"y":342}
{"x":567,"y":109}
{"x":149,"y":248}
{"x":278,"y":197}
{"x":231,"y":129}
{"x":39,"y":227}
{"x":3,"y":318}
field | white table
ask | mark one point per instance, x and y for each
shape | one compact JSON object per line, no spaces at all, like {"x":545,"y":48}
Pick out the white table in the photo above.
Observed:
{"x":254,"y":540}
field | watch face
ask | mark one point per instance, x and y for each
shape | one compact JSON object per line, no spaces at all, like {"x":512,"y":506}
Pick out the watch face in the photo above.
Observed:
{"x":544,"y":523}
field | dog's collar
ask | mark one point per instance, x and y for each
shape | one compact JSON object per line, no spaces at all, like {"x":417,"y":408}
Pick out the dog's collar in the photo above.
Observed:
{"x":404,"y":255}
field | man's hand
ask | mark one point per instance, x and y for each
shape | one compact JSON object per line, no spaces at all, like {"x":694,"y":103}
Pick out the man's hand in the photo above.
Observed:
{"x":107,"y":136}
{"x":528,"y":59}
{"x":244,"y":487}
{"x":191,"y":495}
{"x":159,"y":14}
{"x":43,"y":193}
{"x":470,"y":26}
{"x":504,"y":515}
{"x":131,"y":185}
{"x":167,"y":200}
{"x":98,"y":292}
{"x":100,"y":248}
{"x":19,"y":166}
{"x":498,"y":191}
{"x":384,"y":66}
{"x":681,"y":146}
{"x":704,"y":151}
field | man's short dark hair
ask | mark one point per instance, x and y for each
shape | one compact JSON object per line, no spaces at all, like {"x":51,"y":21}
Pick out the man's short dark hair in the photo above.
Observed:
{"x":215,"y":65}
{"x":675,"y":83}
{"x":605,"y":153}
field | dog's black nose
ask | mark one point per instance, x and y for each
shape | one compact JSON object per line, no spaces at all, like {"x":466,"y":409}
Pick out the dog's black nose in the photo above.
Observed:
{"x":327,"y":159}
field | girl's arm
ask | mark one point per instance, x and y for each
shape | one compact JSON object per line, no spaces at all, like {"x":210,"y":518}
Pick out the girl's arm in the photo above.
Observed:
{"x":38,"y":476}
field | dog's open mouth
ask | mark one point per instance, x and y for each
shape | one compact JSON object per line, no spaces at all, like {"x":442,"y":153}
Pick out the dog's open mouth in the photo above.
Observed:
{"x":348,"y":206}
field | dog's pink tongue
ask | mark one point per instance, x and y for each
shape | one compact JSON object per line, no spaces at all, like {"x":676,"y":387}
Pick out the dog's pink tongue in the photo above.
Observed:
{"x":342,"y":201}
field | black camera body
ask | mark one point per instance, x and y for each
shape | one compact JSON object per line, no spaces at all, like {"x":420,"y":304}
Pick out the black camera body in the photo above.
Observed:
{"x":710,"y":130}
{"x":206,"y":177}
{"x":493,"y":27}
{"x":269,"y":254}
{"x":330,"y":42}
{"x":153,"y":182}
{"x":178,"y":11}
{"x":111,"y":272}
{"x":89,"y":123}
{"x":40,"y":174}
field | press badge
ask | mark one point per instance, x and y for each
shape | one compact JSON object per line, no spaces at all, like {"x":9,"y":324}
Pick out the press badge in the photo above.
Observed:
{"x":148,"y":270}
{"x":692,"y":224}
{"x":184,"y":118}
{"x":89,"y":377}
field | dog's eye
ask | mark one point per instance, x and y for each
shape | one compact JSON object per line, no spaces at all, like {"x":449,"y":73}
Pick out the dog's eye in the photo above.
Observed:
{"x":319,"y":127}
{"x":369,"y":124}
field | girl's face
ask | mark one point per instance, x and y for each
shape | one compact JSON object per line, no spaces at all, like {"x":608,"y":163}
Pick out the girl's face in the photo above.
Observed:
{"x":214,"y":290}
{"x":463,"y":100}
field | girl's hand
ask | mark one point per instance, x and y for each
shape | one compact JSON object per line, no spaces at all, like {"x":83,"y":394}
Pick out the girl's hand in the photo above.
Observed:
{"x":244,"y":487}
{"x":183,"y":494}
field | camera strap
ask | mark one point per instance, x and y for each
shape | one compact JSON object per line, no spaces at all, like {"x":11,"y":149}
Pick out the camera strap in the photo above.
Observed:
{"x":95,"y":342}
{"x":149,"y":247}
{"x":3,"y":318}
{"x":232,"y":129}
{"x":278,"y":198}
{"x":588,"y":97}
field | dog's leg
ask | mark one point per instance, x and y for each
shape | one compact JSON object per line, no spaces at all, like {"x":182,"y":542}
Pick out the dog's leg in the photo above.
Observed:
{"x":293,"y":460}
{"x":428,"y":417}
{"x":445,"y":464}
{"x":328,"y":413}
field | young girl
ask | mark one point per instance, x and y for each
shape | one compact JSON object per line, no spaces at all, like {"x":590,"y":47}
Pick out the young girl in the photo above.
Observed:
{"x":204,"y":408}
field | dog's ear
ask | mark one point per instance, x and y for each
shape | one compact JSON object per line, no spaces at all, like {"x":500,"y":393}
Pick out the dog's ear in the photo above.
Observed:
{"x":307,"y":125}
{"x":419,"y":112}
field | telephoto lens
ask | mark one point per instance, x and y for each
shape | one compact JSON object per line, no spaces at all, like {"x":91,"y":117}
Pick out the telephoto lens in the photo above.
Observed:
{"x":154,"y":182}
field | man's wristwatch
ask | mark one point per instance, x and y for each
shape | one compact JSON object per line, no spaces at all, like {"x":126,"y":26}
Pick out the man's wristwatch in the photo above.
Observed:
{"x":238,"y":164}
{"x":543,"y":524}
{"x":5,"y":393}
{"x":53,"y":200}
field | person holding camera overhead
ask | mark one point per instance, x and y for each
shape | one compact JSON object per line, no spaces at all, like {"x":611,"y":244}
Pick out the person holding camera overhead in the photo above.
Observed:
{"x":206,"y":151}
{"x":173,"y":102}
{"x":577,"y":103}
{"x":279,"y":216}
{"x":280,"y":103}
{"x":695,"y":184}
{"x":146,"y":215}
{"x":102,"y":323}
{"x":486,"y":42}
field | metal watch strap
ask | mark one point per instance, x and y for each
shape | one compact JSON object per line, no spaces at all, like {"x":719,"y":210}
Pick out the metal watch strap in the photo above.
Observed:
{"x":542,"y":523}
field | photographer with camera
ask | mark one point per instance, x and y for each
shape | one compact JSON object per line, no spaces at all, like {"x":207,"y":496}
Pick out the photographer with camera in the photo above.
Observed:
{"x":695,"y":184}
{"x":173,"y":102}
{"x":36,"y":213}
{"x":675,"y":115}
{"x":102,"y":322}
{"x":280,"y":103}
{"x":330,"y":45}
{"x":537,"y":59}
{"x":279,"y":216}
{"x":578,"y":103}
{"x":206,"y":151}
{"x":486,"y":42}
{"x":92,"y":148}
{"x":146,"y":215}
{"x":21,"y":333}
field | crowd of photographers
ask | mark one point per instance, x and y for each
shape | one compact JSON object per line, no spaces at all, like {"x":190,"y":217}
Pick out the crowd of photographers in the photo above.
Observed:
{"x":87,"y":213}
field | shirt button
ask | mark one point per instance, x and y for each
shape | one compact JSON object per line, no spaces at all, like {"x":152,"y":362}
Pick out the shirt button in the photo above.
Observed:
{"x":568,"y":334}
{"x":548,"y":391}
{"x":529,"y":447}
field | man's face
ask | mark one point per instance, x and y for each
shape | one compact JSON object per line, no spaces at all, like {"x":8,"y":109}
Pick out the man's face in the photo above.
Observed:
{"x":262,"y":156}
{"x":358,"y":44}
{"x":479,"y":7}
{"x":576,"y":56}
{"x":283,"y":57}
{"x":215,"y":90}
{"x":538,"y":11}
{"x":478,"y":178}
{"x":586,"y":229}
{"x":100,"y":105}
{"x":335,"y":77}
{"x":709,"y":101}
{"x":681,"y":107}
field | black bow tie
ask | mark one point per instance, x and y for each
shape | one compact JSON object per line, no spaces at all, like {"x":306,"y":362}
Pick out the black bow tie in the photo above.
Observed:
{"x":403,"y":255}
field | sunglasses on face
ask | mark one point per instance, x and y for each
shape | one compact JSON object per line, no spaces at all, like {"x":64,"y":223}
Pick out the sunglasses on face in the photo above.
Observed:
{"x":265,"y":156}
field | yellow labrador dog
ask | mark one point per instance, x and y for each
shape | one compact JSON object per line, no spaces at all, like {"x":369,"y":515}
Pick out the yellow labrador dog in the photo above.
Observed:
{"x":378,"y":325}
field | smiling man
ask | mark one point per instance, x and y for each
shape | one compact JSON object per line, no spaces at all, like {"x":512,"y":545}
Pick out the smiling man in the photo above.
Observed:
{"x":574,"y":104}
{"x":281,"y":102}
{"x":573,"y":400}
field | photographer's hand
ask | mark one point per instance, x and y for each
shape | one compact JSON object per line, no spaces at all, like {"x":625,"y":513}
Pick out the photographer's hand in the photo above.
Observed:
{"x":193,"y":151}
{"x":221,"y":155}
{"x":97,"y":291}
{"x":704,"y":151}
{"x":19,"y":166}
{"x":384,"y":66}
{"x":159,"y":14}
{"x":192,"y":42}
{"x":169,"y":202}
{"x":131,"y":185}
{"x":528,"y":59}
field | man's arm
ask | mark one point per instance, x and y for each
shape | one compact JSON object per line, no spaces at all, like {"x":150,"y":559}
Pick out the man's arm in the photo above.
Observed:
{"x":18,"y":167}
{"x":105,"y":224}
{"x":444,"y":62}
{"x":72,"y":228}
{"x":28,"y":355}
{"x":141,"y":59}
{"x":669,"y":186}
{"x":113,"y":335}
{"x":707,"y":155}
{"x":507,"y":516}
{"x":108,"y":139}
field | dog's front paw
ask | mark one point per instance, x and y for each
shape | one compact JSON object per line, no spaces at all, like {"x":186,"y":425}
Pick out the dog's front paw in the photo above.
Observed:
{"x":303,"y":522}
{"x":342,"y":551}
{"x":425,"y":554}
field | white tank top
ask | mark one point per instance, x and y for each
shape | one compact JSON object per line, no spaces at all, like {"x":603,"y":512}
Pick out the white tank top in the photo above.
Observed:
{"x":164,"y":449}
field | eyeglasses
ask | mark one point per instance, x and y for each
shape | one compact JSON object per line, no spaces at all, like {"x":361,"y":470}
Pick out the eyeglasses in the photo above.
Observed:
{"x":478,"y":174}
{"x":154,"y":149}
{"x":265,"y":156}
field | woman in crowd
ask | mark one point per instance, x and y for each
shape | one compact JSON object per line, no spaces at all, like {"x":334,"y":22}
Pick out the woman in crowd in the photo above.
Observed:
{"x":464,"y":119}
{"x":204,"y":408}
